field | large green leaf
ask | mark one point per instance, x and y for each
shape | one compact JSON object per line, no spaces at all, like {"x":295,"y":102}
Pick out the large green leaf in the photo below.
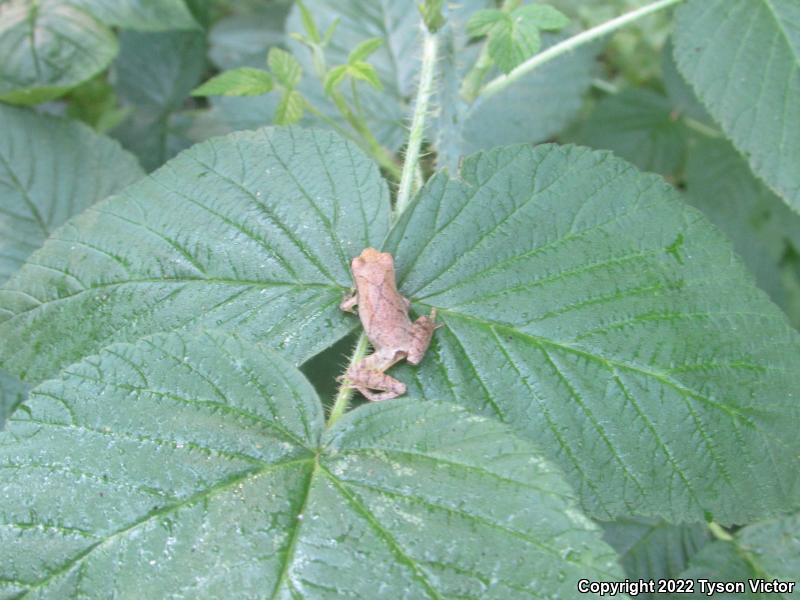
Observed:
{"x":154,"y":74}
{"x":253,"y":232}
{"x":764,"y":231}
{"x":50,"y":170}
{"x":197,"y":466}
{"x":765,"y":550}
{"x":743,"y":59}
{"x":654,"y":549}
{"x":639,"y":125}
{"x":49,"y":47}
{"x":144,"y":15}
{"x":586,"y":305}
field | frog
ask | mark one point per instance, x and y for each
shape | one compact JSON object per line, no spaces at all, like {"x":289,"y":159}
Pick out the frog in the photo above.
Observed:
{"x":383,"y":312}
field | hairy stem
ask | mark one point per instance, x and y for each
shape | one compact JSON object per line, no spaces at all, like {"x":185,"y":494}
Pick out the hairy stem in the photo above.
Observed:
{"x":345,"y":393}
{"x":430,"y":49}
{"x":498,"y":84}
{"x":409,"y":174}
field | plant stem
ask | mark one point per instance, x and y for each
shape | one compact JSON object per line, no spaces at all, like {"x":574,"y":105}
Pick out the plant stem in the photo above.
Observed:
{"x":409,"y":173}
{"x":498,"y":84}
{"x":430,"y":48}
{"x":473,"y":80}
{"x":701,"y":128}
{"x":374,"y":147}
{"x":345,"y":392}
{"x":718,"y":532}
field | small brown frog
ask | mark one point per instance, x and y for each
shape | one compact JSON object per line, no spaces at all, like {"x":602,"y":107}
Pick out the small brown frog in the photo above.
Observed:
{"x":384,"y":315}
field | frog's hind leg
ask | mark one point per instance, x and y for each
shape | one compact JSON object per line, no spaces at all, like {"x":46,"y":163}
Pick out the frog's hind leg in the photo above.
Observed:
{"x":366,"y":381}
{"x":369,"y":375}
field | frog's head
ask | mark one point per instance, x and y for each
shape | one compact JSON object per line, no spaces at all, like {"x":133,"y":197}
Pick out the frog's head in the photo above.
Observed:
{"x":371,"y":258}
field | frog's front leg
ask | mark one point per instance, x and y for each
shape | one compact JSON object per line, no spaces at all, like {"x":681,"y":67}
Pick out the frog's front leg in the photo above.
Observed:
{"x":368,"y":374}
{"x":349,"y":302}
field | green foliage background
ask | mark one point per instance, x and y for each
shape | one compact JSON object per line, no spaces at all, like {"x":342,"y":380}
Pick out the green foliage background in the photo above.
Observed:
{"x":611,"y":241}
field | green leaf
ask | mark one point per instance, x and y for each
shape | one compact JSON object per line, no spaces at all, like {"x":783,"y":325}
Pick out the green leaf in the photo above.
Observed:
{"x":512,"y":42}
{"x":364,"y":50}
{"x":49,"y":47}
{"x":252,"y":232}
{"x":654,"y":549}
{"x":764,"y":231}
{"x":143,"y":15}
{"x":154,"y":75}
{"x":328,"y":36}
{"x":765,"y":550}
{"x":396,"y":61}
{"x":284,"y":67}
{"x":50,"y":170}
{"x":483,"y":21}
{"x":640,"y":126}
{"x":198,"y":464}
{"x":544,"y":17}
{"x":12,"y":393}
{"x":244,"y":81}
{"x":308,"y":23}
{"x":683,"y":99}
{"x":95,"y":103}
{"x":585,"y":304}
{"x":290,"y":109}
{"x":514,"y":37}
{"x":555,"y":90}
{"x":753,"y":95}
{"x":365,"y":72}
{"x":334,"y":77}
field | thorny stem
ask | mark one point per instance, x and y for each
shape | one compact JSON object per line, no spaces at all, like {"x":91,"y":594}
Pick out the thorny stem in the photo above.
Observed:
{"x":409,"y":174}
{"x":498,"y":84}
{"x":345,"y":393}
{"x":430,"y":49}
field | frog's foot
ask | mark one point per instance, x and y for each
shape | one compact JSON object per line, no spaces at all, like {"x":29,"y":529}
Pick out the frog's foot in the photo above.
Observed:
{"x":372,"y":397}
{"x":349,"y":302}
